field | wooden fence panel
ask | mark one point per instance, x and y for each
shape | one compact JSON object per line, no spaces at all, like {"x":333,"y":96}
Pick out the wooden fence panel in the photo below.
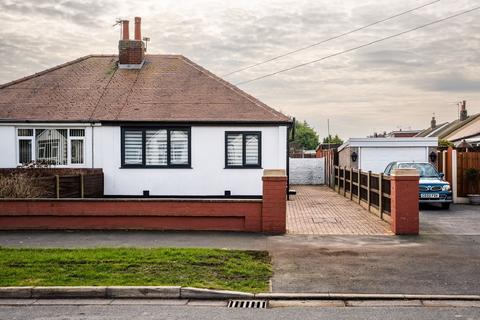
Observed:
{"x":467,"y":160}
{"x":369,"y":189}
{"x":93,"y":185}
{"x":70,"y":184}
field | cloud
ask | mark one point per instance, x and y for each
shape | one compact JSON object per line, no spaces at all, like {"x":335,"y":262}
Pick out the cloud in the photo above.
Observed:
{"x":399,"y":82}
{"x":452,"y":82}
{"x":80,"y":12}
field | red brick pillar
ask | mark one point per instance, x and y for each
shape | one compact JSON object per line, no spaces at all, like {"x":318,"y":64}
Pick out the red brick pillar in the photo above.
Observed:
{"x":274,"y":205}
{"x":404,"y":201}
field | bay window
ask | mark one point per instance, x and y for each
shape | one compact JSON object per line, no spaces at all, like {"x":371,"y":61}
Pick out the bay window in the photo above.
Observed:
{"x":54,"y":146}
{"x":156,"y":147}
{"x":243,"y":149}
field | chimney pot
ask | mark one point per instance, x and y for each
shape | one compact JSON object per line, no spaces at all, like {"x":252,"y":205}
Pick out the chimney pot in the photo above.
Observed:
{"x":131,"y":53}
{"x":433,"y":123}
{"x":463,"y":111}
{"x":125,"y":31}
{"x":138,"y":28}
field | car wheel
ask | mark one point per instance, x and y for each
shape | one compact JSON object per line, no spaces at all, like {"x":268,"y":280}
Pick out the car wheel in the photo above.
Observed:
{"x":446,"y":206}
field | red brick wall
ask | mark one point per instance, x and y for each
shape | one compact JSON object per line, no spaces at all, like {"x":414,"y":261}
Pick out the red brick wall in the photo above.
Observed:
{"x":267,"y":215}
{"x":131,"y":214}
{"x":404,"y":204}
{"x":274,"y":204}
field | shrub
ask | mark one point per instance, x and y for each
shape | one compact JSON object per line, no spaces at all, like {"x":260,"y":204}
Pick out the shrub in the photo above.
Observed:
{"x":35,"y":164}
{"x":19,"y":186}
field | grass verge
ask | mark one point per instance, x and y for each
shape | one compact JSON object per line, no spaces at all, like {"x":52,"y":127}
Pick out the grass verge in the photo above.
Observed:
{"x":204,"y":268}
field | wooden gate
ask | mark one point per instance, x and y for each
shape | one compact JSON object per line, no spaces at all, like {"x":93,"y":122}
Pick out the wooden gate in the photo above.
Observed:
{"x":454,"y":165}
{"x":467,"y":160}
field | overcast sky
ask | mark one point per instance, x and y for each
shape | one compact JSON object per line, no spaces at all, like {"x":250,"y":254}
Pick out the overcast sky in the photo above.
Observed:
{"x":395,"y":84}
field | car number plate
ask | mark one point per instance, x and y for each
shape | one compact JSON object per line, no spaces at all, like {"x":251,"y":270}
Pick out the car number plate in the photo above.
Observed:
{"x":430,"y":195}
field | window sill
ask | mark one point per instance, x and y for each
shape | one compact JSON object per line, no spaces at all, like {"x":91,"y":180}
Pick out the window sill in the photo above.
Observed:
{"x":156,"y":167}
{"x":245,"y":167}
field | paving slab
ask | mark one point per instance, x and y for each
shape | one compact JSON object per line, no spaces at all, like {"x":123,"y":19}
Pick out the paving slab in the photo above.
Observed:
{"x":451,"y":303}
{"x":75,"y":302}
{"x":208,"y":303}
{"x":383,"y":303}
{"x":306,"y":303}
{"x":162,"y":302}
{"x":15,"y":302}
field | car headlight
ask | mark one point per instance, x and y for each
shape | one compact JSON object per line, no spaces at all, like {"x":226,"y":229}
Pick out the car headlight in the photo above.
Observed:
{"x":446,"y":187}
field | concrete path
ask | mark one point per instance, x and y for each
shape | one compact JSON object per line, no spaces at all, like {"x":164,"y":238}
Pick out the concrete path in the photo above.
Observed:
{"x":321,"y":211}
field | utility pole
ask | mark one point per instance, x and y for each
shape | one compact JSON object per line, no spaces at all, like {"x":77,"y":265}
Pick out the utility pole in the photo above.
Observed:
{"x":328,"y":133}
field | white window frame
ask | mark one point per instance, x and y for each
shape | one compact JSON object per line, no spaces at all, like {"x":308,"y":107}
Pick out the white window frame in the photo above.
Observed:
{"x":69,"y":144}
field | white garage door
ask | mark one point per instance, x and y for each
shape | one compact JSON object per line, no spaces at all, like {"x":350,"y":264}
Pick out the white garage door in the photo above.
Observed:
{"x":376,"y":159}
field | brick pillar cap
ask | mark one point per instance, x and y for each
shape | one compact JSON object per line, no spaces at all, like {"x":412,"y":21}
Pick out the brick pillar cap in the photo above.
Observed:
{"x":405,"y":173}
{"x":274,"y":173}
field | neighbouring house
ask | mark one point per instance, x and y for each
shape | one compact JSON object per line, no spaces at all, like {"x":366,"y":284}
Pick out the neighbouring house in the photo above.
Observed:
{"x":324,"y":149}
{"x":464,"y":128}
{"x":374,"y":154}
{"x":158,"y":125}
{"x":396,"y":134}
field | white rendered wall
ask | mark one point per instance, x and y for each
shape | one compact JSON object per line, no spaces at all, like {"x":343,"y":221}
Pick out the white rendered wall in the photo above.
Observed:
{"x":377,"y":159}
{"x":207,"y":175}
{"x":307,"y":170}
{"x":8,"y":146}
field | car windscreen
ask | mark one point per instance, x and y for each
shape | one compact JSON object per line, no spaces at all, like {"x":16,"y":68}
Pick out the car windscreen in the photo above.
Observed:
{"x":425,"y":170}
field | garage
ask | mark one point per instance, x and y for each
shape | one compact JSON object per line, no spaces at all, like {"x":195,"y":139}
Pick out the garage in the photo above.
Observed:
{"x":376,"y":159}
{"x":374,"y":154}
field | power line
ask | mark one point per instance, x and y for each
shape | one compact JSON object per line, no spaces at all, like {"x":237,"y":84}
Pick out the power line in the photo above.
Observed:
{"x":329,"y":39}
{"x":359,"y":47}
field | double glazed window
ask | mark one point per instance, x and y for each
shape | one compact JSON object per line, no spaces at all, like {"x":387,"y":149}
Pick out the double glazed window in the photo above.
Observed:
{"x":243,"y":149}
{"x":156,"y":147}
{"x":53,"y":146}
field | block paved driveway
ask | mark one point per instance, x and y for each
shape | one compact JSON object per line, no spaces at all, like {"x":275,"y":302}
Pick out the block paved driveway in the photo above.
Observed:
{"x":318,"y":210}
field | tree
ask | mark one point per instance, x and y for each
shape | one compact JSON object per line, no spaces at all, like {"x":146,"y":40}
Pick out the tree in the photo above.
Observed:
{"x":305,"y":136}
{"x":445,"y":143}
{"x":332,"y":140}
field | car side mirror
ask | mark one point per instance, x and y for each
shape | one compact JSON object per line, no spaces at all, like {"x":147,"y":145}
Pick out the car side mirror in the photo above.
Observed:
{"x":441,"y":175}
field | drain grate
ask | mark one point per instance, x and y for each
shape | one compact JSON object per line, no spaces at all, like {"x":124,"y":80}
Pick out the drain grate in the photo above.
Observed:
{"x":251,"y":304}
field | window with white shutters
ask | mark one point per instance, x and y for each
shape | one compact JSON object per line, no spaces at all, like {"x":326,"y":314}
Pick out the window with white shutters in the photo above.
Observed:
{"x":234,"y":149}
{"x":179,"y":147}
{"x":132,"y":147}
{"x":242,"y":149}
{"x":156,"y":147}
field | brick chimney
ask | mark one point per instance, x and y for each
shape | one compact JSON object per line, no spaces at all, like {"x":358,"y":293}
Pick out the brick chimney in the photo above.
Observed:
{"x":131,"y":53}
{"x":463,"y":111}
{"x":433,"y":123}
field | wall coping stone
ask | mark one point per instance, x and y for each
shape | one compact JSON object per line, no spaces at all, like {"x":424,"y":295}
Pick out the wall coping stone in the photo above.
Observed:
{"x":219,"y":200}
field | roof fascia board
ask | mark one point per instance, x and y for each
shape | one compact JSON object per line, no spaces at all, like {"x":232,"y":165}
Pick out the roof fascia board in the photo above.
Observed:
{"x":198,"y":123}
{"x":50,"y":124}
{"x":390,"y":142}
